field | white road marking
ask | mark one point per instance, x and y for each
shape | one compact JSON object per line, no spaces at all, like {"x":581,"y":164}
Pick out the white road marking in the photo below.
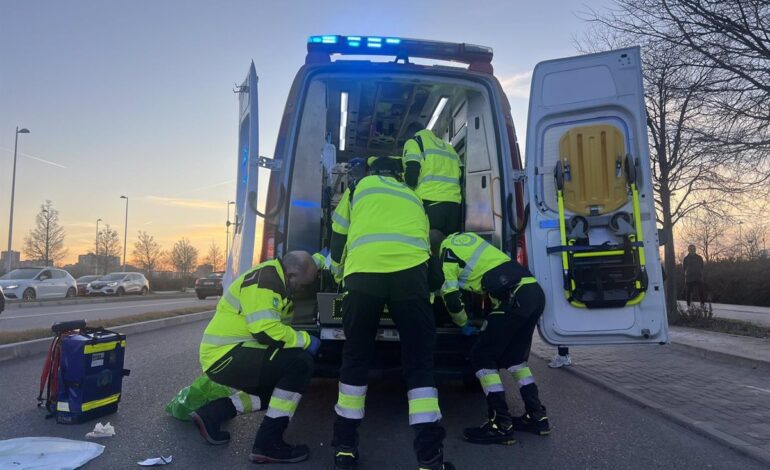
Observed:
{"x":93,"y":310}
{"x":757,"y":388}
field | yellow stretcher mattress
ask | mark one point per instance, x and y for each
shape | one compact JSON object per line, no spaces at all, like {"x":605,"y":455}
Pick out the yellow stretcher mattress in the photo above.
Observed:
{"x":595,"y":179}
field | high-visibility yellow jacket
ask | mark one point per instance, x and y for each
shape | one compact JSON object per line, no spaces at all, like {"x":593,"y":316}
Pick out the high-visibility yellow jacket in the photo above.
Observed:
{"x":465,"y":257}
{"x":440,"y":167}
{"x":385,"y":225}
{"x":255,"y":310}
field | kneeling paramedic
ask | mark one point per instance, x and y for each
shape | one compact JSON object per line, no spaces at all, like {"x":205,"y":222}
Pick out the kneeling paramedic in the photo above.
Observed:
{"x":249,"y":346}
{"x":384,"y":230}
{"x":472,"y":264}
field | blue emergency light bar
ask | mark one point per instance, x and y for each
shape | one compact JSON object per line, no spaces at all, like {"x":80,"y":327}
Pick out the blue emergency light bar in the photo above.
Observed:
{"x":320,"y":48}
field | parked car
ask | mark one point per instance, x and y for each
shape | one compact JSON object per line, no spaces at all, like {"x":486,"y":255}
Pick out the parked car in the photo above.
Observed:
{"x":83,"y":281}
{"x":119,"y":284}
{"x":209,"y":286}
{"x":2,"y":300}
{"x":38,"y":283}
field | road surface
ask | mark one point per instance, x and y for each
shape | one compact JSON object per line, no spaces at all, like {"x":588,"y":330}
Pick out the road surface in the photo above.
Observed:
{"x":17,"y":319}
{"x":756,"y":315}
{"x":591,"y":427}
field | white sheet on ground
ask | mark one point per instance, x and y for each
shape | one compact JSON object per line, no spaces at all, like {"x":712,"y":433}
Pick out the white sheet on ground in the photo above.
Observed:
{"x":49,"y":453}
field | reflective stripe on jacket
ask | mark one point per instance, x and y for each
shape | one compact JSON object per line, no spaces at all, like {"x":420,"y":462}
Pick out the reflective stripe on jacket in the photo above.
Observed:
{"x":440,"y":168}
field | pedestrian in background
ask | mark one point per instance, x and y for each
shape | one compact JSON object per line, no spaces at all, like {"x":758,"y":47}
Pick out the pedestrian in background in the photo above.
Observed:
{"x":693,"y":275}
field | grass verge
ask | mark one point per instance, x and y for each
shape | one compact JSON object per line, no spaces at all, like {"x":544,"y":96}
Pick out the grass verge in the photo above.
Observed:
{"x":8,"y":337}
{"x":703,"y":318}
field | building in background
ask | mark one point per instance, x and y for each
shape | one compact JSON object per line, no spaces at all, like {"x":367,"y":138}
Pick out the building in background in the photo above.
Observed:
{"x":15,"y":260}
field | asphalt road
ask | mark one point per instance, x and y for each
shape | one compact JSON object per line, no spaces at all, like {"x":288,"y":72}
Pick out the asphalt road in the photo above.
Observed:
{"x":591,"y":427}
{"x":17,"y":319}
{"x":757,"y":315}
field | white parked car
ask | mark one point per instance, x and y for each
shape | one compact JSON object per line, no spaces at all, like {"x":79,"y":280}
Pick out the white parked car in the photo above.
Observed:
{"x":38,"y":283}
{"x":119,"y":284}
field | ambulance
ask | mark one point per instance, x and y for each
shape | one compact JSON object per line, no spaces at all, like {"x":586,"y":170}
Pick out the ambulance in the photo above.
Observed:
{"x":578,"y":210}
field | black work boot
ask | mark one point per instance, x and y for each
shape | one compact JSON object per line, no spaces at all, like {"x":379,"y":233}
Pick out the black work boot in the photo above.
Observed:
{"x":496,"y":430}
{"x":210,"y":416}
{"x":436,"y":463}
{"x":345,"y":458}
{"x":535,"y":422}
{"x":269,"y":446}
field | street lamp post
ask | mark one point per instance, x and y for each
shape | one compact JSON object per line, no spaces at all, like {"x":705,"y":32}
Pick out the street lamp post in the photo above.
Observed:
{"x":740,"y":240}
{"x":13,"y":192}
{"x":47,"y":233}
{"x":125,"y":234}
{"x":96,"y":251}
{"x":227,"y":224}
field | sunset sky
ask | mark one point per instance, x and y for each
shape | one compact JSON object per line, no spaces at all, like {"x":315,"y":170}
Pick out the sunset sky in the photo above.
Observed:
{"x":136,"y":97}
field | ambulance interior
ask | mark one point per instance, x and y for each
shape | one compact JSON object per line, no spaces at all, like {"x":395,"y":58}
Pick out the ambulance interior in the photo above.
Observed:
{"x":357,"y":115}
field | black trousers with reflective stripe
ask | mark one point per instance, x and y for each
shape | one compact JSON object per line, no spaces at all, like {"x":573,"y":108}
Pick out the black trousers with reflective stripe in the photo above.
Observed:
{"x":411,"y":312}
{"x":507,"y":338}
{"x":444,"y":216}
{"x":256,"y":373}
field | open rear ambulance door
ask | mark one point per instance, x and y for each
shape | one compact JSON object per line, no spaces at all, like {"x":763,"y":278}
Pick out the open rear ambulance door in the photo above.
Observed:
{"x":240,"y":258}
{"x":592,"y":237}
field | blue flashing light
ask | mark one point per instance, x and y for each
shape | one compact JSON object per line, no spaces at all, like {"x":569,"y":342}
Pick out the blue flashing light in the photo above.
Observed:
{"x":376,"y":45}
{"x":393,"y":41}
{"x":354,"y":43}
{"x":329,"y":39}
{"x":354,"y":38}
{"x":373,"y":39}
{"x":314,"y":39}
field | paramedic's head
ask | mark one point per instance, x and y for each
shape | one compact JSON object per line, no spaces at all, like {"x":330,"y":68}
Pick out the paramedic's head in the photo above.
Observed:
{"x":299,"y":270}
{"x":386,"y":166}
{"x":436,"y":237}
{"x":412,"y":129}
{"x":691,"y":249}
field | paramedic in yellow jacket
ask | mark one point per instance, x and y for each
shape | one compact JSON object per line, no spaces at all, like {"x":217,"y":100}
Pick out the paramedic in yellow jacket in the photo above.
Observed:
{"x":434,"y":170}
{"x":250,"y":346}
{"x":382,"y":228}
{"x":470,"y":263}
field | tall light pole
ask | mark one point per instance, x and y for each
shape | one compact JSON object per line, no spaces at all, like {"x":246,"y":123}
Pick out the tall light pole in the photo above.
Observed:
{"x":740,"y":240}
{"x":125,"y":234}
{"x":96,"y":251}
{"x":227,"y":224}
{"x":47,"y":233}
{"x":13,"y":192}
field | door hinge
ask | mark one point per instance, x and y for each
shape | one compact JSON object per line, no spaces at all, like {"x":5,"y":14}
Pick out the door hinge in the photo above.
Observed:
{"x":270,"y":163}
{"x":519,"y":176}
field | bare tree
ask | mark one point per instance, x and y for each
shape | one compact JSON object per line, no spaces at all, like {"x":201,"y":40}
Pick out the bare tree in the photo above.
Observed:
{"x":183,"y":256}
{"x":709,"y":231}
{"x":108,"y":243}
{"x":215,"y":257}
{"x":694,"y":164}
{"x":45,"y":242}
{"x":147,"y":252}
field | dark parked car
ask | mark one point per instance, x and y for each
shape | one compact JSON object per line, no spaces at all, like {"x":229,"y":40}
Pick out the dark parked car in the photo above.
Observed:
{"x":210,"y":285}
{"x":83,"y":281}
{"x":2,"y":300}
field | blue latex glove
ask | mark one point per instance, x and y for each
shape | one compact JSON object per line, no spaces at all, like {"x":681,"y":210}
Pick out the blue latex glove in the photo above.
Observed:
{"x":469,"y":329}
{"x":315,"y":345}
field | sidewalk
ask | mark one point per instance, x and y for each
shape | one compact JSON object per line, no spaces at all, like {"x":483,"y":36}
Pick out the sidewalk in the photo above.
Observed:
{"x":715,"y":384}
{"x":749,"y":313}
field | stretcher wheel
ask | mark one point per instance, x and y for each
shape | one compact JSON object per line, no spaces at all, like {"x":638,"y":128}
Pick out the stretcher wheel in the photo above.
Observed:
{"x":614,"y":226}
{"x":577,"y":227}
{"x":630,"y":169}
{"x":558,"y":174}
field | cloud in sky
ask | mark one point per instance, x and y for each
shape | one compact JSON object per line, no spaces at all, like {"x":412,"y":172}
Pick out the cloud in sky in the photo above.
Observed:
{"x":516,"y":86}
{"x":183,"y":202}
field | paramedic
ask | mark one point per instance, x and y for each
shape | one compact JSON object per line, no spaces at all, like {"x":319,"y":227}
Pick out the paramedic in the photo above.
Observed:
{"x":472,"y":264}
{"x":385,"y":232}
{"x":433,"y":169}
{"x":249,"y":346}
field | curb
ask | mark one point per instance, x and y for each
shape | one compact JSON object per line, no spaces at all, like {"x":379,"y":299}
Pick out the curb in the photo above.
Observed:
{"x":36,"y":346}
{"x":756,"y":364}
{"x":92,"y":300}
{"x":699,"y":427}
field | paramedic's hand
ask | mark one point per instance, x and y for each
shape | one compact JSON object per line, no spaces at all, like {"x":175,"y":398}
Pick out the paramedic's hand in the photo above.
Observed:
{"x":315,"y":345}
{"x":469,"y":329}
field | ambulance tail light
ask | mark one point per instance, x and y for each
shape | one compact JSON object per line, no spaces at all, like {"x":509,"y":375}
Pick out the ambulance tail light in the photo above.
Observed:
{"x":321,"y":48}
